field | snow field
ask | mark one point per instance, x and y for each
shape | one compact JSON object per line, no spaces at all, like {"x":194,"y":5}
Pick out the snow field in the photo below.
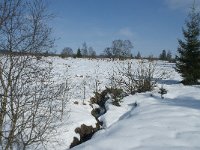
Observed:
{"x":169,"y":123}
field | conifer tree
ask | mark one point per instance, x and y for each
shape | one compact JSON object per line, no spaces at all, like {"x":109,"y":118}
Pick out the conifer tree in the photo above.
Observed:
{"x":188,"y":59}
{"x":78,"y":54}
{"x":169,"y":55}
{"x":163,"y":55}
{"x":138,"y":56}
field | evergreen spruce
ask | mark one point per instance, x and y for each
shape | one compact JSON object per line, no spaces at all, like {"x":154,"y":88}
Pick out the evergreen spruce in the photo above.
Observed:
{"x":169,"y":56}
{"x":188,"y":59}
{"x":163,"y":55}
{"x":138,"y":56}
{"x":79,"y":55}
{"x":162,"y":91}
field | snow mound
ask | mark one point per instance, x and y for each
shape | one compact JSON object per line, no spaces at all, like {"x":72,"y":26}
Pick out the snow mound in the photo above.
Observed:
{"x":170,"y":123}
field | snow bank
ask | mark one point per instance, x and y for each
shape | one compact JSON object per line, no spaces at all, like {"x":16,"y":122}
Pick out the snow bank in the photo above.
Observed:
{"x":172,"y":123}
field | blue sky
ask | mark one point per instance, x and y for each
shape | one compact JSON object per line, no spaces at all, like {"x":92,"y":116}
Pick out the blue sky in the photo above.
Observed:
{"x":151,"y":25}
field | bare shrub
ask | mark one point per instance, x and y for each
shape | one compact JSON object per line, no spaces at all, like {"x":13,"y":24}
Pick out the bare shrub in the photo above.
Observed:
{"x":139,"y":77}
{"x":31,"y":102}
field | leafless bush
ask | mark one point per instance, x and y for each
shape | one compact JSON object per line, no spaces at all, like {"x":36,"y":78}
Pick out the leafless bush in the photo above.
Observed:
{"x":137,"y":77}
{"x":31,"y":104}
{"x":31,"y":101}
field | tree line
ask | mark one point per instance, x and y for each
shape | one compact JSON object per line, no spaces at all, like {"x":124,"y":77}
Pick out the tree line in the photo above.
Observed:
{"x":120,"y":49}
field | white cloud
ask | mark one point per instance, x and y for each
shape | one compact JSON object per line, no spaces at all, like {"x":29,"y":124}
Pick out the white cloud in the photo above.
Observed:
{"x":182,"y":4}
{"x":126,"y":32}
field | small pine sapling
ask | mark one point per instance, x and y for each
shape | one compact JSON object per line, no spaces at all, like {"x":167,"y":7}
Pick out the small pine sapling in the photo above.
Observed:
{"x":162,"y":91}
{"x":135,"y":104}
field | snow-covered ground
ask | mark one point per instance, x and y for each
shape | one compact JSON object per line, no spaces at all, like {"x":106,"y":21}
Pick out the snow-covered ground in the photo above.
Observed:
{"x":169,"y":123}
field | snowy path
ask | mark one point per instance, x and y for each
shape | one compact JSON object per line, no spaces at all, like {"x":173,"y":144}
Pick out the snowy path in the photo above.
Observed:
{"x":172,"y":123}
